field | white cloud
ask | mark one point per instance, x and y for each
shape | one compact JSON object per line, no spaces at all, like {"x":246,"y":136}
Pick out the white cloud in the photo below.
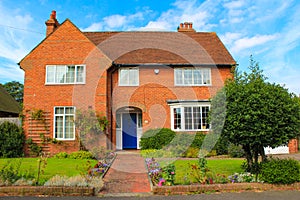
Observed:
{"x":229,"y":38}
{"x":234,"y":4}
{"x":251,"y":42}
{"x":11,"y":72}
{"x":115,"y":21}
{"x":185,"y":11}
{"x":14,"y":34}
{"x":118,"y":22}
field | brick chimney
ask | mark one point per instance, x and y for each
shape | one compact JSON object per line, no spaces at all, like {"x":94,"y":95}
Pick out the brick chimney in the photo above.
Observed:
{"x":51,"y":23}
{"x":186,"y":27}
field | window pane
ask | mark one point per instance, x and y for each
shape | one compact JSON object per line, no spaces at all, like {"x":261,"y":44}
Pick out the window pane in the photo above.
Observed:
{"x":188,"y":120}
{"x":124,"y":77}
{"x":70,"y":75}
{"x":177,"y":118}
{"x":59,"y":110}
{"x":188,"y":76}
{"x":178,"y":77}
{"x":206,"y":76}
{"x":59,"y":127}
{"x":50,"y":76}
{"x":197,"y":118}
{"x":80,"y":74}
{"x":69,"y":110}
{"x":205,"y":111}
{"x":133,"y":77}
{"x":69,"y":127}
{"x":118,"y":121}
{"x":140,"y":120}
{"x":197,"y":77}
{"x":60,"y":74}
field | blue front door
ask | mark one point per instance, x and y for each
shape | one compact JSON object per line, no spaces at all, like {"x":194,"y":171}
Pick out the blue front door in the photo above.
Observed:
{"x":129,"y":131}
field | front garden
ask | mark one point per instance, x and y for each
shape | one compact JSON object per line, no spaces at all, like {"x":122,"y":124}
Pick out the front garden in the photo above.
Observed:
{"x":171,"y":163}
{"x":78,"y":169}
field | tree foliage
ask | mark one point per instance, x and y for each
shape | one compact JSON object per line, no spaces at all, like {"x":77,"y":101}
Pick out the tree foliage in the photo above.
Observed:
{"x":257,"y":114}
{"x":12,"y":140}
{"x":15,"y":89}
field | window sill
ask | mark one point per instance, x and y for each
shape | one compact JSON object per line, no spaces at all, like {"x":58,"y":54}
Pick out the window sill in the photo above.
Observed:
{"x":55,"y":84}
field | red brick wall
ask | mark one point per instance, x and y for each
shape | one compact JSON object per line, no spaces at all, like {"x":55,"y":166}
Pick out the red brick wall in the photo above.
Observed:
{"x":154,"y":90}
{"x":67,"y":45}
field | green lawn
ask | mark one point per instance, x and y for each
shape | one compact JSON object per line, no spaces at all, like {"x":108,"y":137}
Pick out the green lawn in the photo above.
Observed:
{"x":217,"y":166}
{"x":55,"y":166}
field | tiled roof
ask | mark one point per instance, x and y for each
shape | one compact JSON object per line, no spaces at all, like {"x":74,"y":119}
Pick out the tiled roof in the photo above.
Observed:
{"x":7,"y":102}
{"x":162,"y":47}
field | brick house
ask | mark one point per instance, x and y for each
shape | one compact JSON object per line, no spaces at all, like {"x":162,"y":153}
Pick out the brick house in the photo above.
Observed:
{"x":137,"y":80}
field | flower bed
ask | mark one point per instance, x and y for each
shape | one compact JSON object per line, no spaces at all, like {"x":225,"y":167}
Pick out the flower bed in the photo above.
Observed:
{"x":236,"y":187}
{"x":103,"y":165}
{"x":205,"y":182}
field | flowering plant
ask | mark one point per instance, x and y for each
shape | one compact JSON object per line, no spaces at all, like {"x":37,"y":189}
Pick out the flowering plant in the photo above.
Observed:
{"x":154,"y":170}
{"x":242,"y":177}
{"x":169,"y":174}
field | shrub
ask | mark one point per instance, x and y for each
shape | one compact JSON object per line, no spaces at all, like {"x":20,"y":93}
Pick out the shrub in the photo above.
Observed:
{"x":81,"y":155}
{"x":61,"y":155}
{"x":157,"y":138}
{"x":221,"y":146}
{"x":35,"y":149}
{"x":10,"y":172}
{"x":198,"y":140}
{"x":235,"y":151}
{"x":192,"y":152}
{"x":79,"y":181}
{"x":280,"y":171}
{"x":12,"y":140}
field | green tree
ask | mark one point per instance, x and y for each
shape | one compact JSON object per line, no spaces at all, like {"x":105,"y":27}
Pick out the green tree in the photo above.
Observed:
{"x":12,"y":140}
{"x":15,"y":89}
{"x":253,"y":113}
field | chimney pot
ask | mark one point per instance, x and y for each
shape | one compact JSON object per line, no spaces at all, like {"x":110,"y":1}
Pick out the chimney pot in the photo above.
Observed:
{"x":53,"y":14}
{"x":186,"y":27}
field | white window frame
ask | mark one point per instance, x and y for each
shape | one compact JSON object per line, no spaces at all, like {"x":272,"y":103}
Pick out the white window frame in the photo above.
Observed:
{"x":129,"y":70}
{"x":64,"y":122}
{"x":181,"y":106}
{"x":193,"y":69}
{"x":56,"y":82}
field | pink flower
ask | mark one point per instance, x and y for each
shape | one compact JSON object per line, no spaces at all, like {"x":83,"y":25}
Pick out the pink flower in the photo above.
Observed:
{"x":161,"y":181}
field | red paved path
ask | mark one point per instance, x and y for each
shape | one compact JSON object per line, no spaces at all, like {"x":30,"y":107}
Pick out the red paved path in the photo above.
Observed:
{"x":127,"y":174}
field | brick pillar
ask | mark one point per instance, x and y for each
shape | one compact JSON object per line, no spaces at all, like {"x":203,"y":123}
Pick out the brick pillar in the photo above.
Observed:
{"x":293,"y":146}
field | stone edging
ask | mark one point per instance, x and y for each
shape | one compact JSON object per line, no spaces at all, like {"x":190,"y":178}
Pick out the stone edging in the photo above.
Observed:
{"x":229,"y":187}
{"x":46,"y":191}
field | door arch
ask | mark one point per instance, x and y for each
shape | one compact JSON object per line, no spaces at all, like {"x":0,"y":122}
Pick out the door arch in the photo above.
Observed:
{"x":129,"y":128}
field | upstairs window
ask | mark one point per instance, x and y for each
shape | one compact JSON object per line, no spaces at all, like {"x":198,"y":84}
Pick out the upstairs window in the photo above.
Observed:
{"x":64,"y":126}
{"x":129,"y":76}
{"x":192,"y":76}
{"x":65,"y":74}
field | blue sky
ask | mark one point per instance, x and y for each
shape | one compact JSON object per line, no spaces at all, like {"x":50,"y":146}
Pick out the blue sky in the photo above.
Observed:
{"x":267,"y":29}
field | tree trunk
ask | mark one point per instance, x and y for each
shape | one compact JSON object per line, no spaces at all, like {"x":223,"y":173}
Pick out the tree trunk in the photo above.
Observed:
{"x":249,"y":158}
{"x":263,"y":155}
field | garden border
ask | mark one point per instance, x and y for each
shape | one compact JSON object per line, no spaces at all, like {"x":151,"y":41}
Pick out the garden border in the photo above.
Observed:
{"x":46,"y":191}
{"x":229,"y":187}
